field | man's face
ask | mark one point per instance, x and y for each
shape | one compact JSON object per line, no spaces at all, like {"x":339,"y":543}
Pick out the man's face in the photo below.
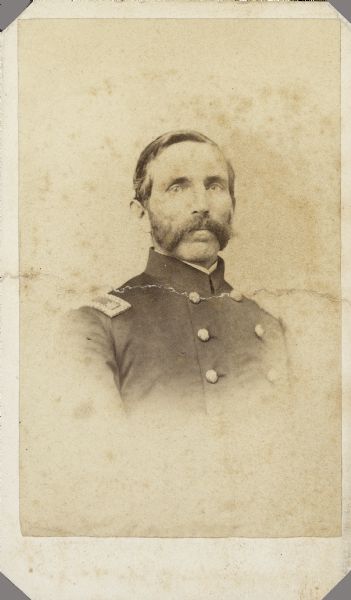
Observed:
{"x":190,"y":207}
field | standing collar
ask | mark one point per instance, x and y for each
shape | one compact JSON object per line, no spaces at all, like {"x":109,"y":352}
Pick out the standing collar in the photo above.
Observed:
{"x":203,"y":269}
{"x":184,"y":277}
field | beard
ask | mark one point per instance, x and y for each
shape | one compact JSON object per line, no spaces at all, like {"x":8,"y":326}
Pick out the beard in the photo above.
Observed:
{"x":168,"y":236}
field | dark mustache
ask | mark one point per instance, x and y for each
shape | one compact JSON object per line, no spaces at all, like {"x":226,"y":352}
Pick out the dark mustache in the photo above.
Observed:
{"x":169,"y":237}
{"x":222,"y":231}
{"x":202,"y":222}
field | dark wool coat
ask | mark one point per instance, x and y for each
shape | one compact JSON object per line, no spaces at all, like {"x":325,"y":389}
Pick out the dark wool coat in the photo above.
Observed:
{"x":175,"y":334}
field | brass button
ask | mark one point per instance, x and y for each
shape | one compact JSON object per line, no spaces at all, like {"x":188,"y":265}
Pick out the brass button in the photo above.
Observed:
{"x":211,"y":376}
{"x":203,"y":335}
{"x":194,"y":297}
{"x":235,"y":295}
{"x":259,"y":330}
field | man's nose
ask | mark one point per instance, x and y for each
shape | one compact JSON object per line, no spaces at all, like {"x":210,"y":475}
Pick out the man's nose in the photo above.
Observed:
{"x":199,"y":202}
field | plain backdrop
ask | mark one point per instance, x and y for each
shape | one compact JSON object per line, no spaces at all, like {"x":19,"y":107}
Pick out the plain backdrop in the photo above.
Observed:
{"x":269,"y":93}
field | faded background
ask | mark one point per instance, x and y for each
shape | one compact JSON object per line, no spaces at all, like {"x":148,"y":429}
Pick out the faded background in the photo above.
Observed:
{"x":268,"y":92}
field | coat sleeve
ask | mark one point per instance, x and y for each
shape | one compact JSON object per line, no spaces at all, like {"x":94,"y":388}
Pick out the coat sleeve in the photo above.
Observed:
{"x":90,"y":362}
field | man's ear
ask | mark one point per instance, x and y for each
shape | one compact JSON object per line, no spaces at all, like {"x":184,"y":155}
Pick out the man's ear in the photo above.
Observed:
{"x":137,"y":208}
{"x":142,"y":214}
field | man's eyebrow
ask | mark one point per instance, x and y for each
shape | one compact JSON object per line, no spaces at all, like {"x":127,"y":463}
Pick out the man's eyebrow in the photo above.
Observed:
{"x":178,"y":180}
{"x":216,"y":179}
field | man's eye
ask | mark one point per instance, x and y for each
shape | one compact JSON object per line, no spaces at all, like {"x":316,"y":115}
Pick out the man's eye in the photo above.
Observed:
{"x":175,"y":188}
{"x":215,"y":187}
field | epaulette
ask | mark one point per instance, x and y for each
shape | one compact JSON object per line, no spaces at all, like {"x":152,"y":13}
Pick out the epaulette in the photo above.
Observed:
{"x":109,"y":304}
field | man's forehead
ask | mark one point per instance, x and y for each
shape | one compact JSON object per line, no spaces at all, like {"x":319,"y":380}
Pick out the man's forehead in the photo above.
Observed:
{"x":188,"y":158}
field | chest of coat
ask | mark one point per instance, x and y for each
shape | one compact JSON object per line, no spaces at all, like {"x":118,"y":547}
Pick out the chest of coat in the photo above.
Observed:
{"x":167,"y":337}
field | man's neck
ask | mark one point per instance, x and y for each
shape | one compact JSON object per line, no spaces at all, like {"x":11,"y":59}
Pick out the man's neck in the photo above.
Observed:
{"x":200,"y":267}
{"x":206,"y":270}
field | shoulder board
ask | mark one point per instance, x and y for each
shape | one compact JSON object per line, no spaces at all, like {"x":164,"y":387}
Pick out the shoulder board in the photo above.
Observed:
{"x":109,"y":304}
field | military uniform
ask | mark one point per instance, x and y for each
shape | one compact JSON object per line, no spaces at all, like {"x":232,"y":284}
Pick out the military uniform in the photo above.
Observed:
{"x":177,"y":335}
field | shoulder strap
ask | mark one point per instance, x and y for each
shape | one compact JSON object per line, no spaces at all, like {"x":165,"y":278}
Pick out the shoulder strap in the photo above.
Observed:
{"x":109,"y":304}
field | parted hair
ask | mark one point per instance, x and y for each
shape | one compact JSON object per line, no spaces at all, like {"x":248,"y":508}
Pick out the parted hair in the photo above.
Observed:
{"x":143,"y":182}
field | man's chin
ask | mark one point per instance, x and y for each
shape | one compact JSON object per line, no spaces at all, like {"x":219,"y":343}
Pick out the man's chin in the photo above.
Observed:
{"x":201,"y":249}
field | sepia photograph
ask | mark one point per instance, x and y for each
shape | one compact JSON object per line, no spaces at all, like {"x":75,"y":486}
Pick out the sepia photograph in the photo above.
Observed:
{"x":175,"y":303}
{"x":180,"y":296}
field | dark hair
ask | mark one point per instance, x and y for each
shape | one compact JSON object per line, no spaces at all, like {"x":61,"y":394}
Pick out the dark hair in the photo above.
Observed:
{"x":143,"y":183}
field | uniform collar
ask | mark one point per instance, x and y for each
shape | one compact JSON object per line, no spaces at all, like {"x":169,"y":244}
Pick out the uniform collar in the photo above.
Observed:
{"x":184,"y":277}
{"x":203,"y":269}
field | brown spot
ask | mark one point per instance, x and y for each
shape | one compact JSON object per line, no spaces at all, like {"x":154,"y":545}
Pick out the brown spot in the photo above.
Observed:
{"x":30,"y":570}
{"x":58,"y":399}
{"x":46,"y":183}
{"x":84,"y":410}
{"x":111,"y":457}
{"x":327,"y":123}
{"x":166,"y":581}
{"x":244,"y":104}
{"x":265,"y":91}
{"x":223,"y":120}
{"x":31,"y":274}
{"x":110,"y":143}
{"x":108,"y":86}
{"x":100,"y":572}
{"x":293,"y":98}
{"x":89,"y":186}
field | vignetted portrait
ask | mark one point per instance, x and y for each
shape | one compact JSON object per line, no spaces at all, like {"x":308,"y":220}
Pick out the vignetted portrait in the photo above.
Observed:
{"x":180,"y":296}
{"x":181,"y":325}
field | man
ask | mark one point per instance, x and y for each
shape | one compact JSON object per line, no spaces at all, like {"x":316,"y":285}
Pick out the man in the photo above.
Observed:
{"x":178,"y":334}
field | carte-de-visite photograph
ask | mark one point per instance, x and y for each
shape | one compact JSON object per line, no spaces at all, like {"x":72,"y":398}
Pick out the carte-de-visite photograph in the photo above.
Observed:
{"x":180,"y":368}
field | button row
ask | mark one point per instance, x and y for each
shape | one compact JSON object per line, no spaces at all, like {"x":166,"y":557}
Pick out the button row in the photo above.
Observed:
{"x":212,"y":376}
{"x":203,"y":334}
